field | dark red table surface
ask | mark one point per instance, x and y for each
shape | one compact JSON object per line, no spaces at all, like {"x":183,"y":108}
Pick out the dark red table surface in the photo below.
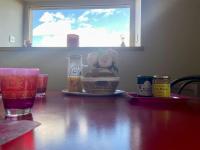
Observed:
{"x":110,"y":123}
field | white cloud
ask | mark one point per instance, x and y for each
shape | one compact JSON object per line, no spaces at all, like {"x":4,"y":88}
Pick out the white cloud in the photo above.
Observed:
{"x":85,"y":25}
{"x":88,"y":36}
{"x":59,"y":15}
{"x":84,"y":17}
{"x":54,"y":31}
{"x":52,"y":28}
{"x":101,"y":37}
{"x":53,"y":24}
{"x":52,"y":17}
{"x":104,"y":12}
{"x":47,"y":17}
{"x":53,"y":41}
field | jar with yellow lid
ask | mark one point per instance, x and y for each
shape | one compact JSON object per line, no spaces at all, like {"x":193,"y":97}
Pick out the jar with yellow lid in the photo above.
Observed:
{"x":161,"y":86}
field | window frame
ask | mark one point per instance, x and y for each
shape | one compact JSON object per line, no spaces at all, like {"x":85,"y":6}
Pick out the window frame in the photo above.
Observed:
{"x":134,"y":5}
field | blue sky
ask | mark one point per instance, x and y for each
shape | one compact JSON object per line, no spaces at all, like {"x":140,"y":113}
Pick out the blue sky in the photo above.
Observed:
{"x":94,"y":26}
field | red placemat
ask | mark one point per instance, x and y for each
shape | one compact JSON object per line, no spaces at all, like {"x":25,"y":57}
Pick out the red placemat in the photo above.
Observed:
{"x":10,"y":130}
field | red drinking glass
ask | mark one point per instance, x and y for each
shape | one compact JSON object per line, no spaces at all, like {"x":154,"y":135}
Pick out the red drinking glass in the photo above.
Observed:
{"x":42,"y":84}
{"x":18,"y":87}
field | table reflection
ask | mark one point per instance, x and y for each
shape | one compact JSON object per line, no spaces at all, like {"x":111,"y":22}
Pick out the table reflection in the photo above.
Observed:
{"x":82,"y":122}
{"x":40,"y":102}
{"x":92,"y":121}
{"x":23,"y":117}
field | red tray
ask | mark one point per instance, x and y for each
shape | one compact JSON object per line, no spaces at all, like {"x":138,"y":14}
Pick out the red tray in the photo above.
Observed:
{"x":174,"y":101}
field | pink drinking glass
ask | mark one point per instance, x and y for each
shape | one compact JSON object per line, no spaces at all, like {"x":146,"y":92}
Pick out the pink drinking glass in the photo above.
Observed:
{"x":0,"y":84}
{"x":1,"y":72}
{"x":42,"y":84}
{"x":18,"y":87}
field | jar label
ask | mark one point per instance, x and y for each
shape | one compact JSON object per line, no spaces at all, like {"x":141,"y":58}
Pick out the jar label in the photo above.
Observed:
{"x":144,"y":89}
{"x":161,"y":90}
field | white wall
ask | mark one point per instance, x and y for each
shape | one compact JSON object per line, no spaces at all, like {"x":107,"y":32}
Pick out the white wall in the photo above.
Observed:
{"x":53,"y":62}
{"x":170,"y":36}
{"x":11,"y":22}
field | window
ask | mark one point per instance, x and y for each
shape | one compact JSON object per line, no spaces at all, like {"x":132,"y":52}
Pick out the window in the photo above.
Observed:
{"x":95,"y":27}
{"x":98,"y":25}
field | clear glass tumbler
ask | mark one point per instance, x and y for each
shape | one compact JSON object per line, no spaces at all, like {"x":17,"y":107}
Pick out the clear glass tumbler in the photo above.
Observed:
{"x":18,"y":87}
{"x":42,"y":84}
{"x":74,"y":73}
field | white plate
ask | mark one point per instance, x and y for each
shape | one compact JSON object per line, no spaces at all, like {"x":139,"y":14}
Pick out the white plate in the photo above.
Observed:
{"x":117,"y":92}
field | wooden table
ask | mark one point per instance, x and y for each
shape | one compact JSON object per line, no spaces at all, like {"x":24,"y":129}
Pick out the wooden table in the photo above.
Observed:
{"x":110,"y":123}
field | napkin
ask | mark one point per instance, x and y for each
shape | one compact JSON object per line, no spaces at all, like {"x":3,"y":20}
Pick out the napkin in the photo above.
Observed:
{"x":10,"y":130}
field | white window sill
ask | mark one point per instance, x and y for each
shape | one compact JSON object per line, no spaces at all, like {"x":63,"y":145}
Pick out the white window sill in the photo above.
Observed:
{"x":141,"y":48}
